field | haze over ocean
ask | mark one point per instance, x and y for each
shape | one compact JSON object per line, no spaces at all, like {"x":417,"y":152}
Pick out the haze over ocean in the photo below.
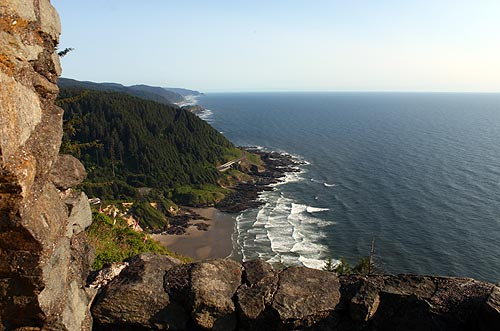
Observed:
{"x":419,"y":172}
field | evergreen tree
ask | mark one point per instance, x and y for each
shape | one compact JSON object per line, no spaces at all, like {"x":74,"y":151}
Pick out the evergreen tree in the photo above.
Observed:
{"x":127,"y":143}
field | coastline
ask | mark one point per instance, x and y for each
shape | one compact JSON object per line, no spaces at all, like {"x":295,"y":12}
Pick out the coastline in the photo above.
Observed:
{"x":207,"y":232}
{"x":214,"y":242}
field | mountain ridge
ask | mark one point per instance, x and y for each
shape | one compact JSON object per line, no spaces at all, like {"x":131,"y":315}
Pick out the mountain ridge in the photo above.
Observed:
{"x":163,"y":95}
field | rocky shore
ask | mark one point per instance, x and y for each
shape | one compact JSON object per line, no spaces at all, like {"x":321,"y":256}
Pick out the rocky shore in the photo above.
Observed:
{"x":179,"y":222}
{"x":245,"y":195}
{"x":194,"y":109}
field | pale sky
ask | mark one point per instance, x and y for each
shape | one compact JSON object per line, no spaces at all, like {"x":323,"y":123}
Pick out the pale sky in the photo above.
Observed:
{"x":285,"y":45}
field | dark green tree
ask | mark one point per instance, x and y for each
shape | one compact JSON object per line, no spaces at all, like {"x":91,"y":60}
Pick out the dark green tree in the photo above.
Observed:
{"x":343,"y":267}
{"x":329,"y":265}
{"x":130,"y":143}
{"x":363,"y":266}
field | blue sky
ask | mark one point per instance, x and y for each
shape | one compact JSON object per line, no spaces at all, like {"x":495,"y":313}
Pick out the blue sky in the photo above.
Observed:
{"x":348,"y":45}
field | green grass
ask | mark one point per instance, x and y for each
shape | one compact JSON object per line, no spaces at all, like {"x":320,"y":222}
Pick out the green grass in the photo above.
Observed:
{"x":204,"y":195}
{"x":232,"y":177}
{"x":254,"y":159}
{"x":149,"y":217}
{"x":114,"y":243}
{"x":232,"y":153}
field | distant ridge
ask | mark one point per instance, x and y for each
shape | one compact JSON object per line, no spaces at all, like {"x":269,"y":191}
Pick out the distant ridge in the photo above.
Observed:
{"x":166,"y":96}
{"x":182,"y":91}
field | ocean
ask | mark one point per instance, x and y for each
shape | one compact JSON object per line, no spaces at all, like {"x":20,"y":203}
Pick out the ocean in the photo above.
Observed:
{"x":417,"y":172}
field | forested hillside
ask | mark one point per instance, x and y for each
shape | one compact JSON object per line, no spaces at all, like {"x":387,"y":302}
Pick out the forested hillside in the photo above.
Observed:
{"x":154,"y":93}
{"x":130,"y":146}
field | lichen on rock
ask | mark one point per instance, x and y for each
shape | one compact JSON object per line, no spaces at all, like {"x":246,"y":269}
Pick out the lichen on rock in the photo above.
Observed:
{"x":41,"y":245}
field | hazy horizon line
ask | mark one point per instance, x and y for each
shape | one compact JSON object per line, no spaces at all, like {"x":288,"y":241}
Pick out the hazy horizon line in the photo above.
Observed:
{"x":256,"y":90}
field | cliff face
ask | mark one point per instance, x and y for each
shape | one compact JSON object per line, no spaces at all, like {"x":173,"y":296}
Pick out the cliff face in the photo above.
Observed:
{"x":43,"y":251}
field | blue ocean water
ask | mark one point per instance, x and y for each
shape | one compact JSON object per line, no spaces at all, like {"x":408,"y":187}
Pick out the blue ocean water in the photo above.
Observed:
{"x":418,"y":172}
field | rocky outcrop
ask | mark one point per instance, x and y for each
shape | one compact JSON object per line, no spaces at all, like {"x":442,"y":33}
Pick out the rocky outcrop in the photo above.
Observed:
{"x":136,"y":297}
{"x":67,"y":172}
{"x":43,"y":249}
{"x":224,"y":295}
{"x":245,"y":195}
{"x":410,"y":302}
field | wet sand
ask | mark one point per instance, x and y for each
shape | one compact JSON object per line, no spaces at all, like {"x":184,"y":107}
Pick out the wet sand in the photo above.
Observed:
{"x":216,"y":242}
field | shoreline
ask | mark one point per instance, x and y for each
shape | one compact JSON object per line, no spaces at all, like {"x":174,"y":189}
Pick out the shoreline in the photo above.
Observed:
{"x":207,"y":232}
{"x":214,"y":242}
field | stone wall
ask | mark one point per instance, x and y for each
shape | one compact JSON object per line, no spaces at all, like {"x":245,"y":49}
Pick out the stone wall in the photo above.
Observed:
{"x":160,"y":293}
{"x":43,"y":251}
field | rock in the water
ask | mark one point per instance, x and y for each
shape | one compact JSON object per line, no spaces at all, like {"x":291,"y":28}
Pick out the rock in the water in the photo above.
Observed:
{"x":136,"y":297}
{"x":67,"y":172}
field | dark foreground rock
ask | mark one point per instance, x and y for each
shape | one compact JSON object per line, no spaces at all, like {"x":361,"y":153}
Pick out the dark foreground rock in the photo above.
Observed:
{"x":135,"y":298}
{"x":158,"y":293}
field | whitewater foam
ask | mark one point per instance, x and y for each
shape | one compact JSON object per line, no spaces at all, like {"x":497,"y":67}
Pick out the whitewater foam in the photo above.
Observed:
{"x":311,"y":210}
{"x":283,"y":230}
{"x":189,"y":100}
{"x":206,"y":115}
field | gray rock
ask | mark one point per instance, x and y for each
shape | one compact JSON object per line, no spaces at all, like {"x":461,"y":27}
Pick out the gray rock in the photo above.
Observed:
{"x":489,"y":319}
{"x":102,"y":277}
{"x":256,"y":271}
{"x":205,"y":290}
{"x":213,"y":285}
{"x":21,"y":112}
{"x":423,"y":287}
{"x":56,"y":274}
{"x":67,"y":172}
{"x":22,"y":8}
{"x":49,"y":19}
{"x":136,"y":297}
{"x":364,"y":304}
{"x":77,"y":306}
{"x":253,"y":297}
{"x":79,"y":298}
{"x":305,"y":295}
{"x":80,"y":214}
{"x":494,"y":299}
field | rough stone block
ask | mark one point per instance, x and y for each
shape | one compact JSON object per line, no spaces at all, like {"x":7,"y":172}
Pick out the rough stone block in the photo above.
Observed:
{"x":80,"y":214}
{"x":305,"y":295}
{"x":213,"y":285}
{"x":67,"y":172}
{"x":365,"y":303}
{"x":136,"y":297}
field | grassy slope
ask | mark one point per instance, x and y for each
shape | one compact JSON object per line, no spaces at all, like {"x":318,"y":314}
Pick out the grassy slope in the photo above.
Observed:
{"x":114,"y":243}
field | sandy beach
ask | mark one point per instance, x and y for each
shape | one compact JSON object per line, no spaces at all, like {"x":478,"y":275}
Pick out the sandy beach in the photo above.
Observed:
{"x":216,"y":242}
